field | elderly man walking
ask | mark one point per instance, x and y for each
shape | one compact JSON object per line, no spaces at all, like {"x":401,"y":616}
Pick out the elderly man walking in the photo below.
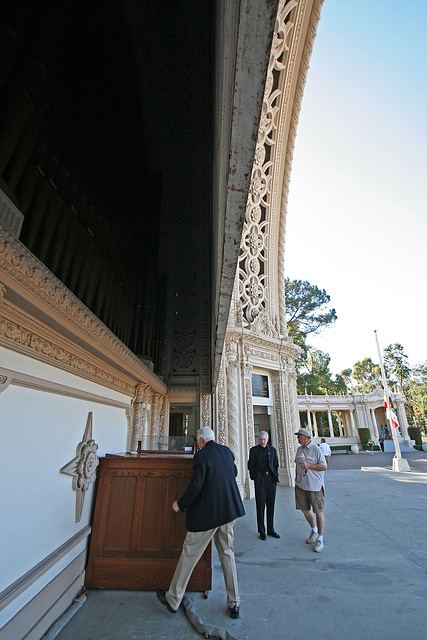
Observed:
{"x":310,"y":465}
{"x":212,"y":503}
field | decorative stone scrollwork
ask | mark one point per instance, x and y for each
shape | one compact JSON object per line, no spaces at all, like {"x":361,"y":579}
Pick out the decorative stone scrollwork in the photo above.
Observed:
{"x":252,"y":272}
{"x":221,"y":425}
{"x":83,"y":467}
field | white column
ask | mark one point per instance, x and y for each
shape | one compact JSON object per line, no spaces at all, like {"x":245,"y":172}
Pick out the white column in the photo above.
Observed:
{"x":401,"y":416}
{"x":316,"y":433}
{"x":340,"y":424}
{"x":353,"y":424}
{"x":331,"y":426}
{"x":309,"y":420}
{"x":374,"y":430}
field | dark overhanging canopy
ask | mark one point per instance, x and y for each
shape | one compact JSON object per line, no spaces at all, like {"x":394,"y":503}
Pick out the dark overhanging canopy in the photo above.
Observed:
{"x":127,"y":133}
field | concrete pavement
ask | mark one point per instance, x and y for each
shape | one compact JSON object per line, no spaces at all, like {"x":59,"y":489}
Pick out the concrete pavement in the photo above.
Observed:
{"x":369,"y":583}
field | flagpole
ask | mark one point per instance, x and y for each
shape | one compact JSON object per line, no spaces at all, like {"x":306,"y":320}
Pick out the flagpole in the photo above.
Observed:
{"x":399,"y":463}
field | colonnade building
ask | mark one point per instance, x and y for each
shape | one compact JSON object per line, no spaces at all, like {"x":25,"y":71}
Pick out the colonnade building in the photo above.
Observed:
{"x":339,"y":418}
{"x":145,"y":159}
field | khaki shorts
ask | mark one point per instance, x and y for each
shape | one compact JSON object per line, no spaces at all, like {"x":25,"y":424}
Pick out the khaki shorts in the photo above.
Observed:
{"x":304,"y":500}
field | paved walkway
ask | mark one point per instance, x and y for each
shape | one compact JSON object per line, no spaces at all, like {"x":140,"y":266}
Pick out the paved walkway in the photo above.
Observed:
{"x":370,"y":582}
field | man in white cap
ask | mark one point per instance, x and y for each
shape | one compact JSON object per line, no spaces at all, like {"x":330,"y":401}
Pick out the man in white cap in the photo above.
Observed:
{"x":310,"y":466}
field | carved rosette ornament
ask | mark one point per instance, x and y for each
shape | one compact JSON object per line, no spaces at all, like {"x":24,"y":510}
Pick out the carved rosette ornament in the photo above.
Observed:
{"x":83,"y":467}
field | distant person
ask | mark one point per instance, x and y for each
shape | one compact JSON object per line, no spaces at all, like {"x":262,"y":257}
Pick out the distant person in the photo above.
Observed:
{"x":381,"y":441}
{"x":326,"y":449}
{"x":263,"y":468}
{"x":211,"y":503}
{"x":172,"y":445}
{"x":310,"y":467}
{"x":371,"y":446}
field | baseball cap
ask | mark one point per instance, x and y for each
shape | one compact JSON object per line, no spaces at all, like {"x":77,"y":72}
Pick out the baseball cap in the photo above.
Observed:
{"x":303,"y":432}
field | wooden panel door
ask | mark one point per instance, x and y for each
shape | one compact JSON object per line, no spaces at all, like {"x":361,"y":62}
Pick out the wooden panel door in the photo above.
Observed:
{"x":137,"y":537}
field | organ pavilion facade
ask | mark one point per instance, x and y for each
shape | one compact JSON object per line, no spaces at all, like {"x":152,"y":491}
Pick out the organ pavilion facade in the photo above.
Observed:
{"x":145,"y":158}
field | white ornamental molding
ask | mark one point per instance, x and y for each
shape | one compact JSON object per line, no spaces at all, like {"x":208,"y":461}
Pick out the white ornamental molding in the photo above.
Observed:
{"x":83,"y":467}
{"x":5,"y":379}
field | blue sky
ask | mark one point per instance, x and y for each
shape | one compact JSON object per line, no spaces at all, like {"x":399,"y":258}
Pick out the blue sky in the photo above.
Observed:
{"x":357,"y":212}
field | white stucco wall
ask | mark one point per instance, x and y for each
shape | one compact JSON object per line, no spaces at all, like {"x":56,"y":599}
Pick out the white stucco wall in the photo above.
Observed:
{"x":39,"y":433}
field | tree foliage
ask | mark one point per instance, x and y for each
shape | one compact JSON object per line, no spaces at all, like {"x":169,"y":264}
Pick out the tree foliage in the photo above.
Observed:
{"x":306,"y":308}
{"x":315,"y":377}
{"x":367,"y":375}
{"x":307,"y":313}
{"x":397,"y":366}
{"x":417,"y":393}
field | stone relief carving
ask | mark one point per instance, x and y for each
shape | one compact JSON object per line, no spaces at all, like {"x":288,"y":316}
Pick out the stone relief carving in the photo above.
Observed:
{"x":263,"y":326}
{"x":82,"y":468}
{"x":232,"y":406}
{"x":253,"y":280}
{"x":29,"y":336}
{"x":221,"y":426}
{"x":19,"y":330}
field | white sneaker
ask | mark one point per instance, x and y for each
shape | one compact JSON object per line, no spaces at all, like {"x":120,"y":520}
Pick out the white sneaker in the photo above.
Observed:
{"x":319,"y":546}
{"x":312,"y":538}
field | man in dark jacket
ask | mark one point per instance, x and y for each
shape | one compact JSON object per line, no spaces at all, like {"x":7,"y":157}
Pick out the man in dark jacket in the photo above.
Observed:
{"x":211,"y":503}
{"x":263,"y":468}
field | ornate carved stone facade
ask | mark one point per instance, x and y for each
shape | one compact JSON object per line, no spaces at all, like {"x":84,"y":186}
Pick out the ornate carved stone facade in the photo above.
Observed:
{"x":256,"y":340}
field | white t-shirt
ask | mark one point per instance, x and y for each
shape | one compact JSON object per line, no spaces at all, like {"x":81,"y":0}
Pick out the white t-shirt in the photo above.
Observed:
{"x":310,"y":480}
{"x":325,"y":448}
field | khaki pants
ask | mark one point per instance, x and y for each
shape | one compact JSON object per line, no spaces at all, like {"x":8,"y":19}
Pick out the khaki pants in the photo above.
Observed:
{"x":194,"y":545}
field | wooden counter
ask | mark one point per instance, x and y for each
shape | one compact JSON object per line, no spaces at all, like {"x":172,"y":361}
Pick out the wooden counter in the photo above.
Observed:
{"x":136,"y":536}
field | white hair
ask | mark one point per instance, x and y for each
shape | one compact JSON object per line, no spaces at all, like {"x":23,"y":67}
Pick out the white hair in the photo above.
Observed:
{"x":206,"y":433}
{"x":263,"y":433}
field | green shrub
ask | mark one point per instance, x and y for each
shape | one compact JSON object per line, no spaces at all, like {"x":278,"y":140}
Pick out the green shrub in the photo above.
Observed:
{"x":418,"y":447}
{"x":365,"y":436}
{"x":415,"y":434}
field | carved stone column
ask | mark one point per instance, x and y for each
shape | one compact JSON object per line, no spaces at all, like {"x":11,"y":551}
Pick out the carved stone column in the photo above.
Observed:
{"x":139,"y":416}
{"x":284,"y":426}
{"x":233,"y":412}
{"x":221,"y":406}
{"x":248,"y":436}
{"x":232,"y":406}
{"x":156,"y":428}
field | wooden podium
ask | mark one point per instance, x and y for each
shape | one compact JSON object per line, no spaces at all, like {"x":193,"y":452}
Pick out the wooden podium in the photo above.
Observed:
{"x":136,"y":536}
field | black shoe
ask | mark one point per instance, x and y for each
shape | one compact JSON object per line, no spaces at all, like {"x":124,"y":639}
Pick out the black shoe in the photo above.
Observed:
{"x":273,"y":534}
{"x":161,"y":597}
{"x":262,"y":536}
{"x":234,"y":612}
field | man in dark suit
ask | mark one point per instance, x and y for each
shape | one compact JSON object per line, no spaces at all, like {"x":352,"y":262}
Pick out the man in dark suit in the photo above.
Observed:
{"x":263,"y":468}
{"x":211,"y":503}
